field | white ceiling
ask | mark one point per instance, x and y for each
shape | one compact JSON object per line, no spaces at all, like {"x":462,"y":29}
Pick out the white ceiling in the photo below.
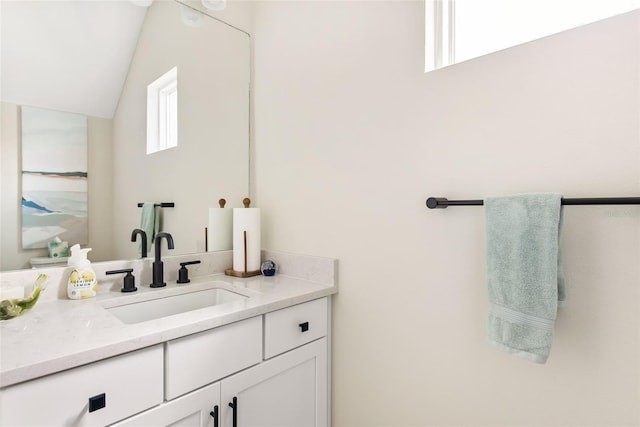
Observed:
{"x":67,"y":55}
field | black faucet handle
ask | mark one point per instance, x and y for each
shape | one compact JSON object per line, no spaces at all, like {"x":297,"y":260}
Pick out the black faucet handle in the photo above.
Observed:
{"x":182,"y":264}
{"x":183,"y":273}
{"x":129,"y":279}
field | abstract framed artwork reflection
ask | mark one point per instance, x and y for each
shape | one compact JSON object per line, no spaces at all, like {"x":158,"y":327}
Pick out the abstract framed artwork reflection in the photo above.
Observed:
{"x":54,"y":177}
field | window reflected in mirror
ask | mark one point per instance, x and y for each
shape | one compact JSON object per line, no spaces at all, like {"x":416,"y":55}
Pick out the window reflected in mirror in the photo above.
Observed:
{"x":162,"y":112}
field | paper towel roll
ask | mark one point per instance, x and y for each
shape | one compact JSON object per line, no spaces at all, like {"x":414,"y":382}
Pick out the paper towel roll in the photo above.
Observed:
{"x":220,"y":229}
{"x":246,"y":219}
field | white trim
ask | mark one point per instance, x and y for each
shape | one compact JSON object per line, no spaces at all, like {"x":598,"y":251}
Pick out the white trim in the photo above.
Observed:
{"x":491,"y":26}
{"x":162,"y":113}
{"x":439,"y":34}
{"x":430,"y":35}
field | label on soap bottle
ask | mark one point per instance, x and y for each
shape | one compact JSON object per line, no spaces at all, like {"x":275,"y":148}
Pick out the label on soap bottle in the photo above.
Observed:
{"x":82,"y":284}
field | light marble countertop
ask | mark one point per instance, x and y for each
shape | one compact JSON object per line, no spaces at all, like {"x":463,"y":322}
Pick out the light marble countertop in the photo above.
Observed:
{"x":59,"y":333}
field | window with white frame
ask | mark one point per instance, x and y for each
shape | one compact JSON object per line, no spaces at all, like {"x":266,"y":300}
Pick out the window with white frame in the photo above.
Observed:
{"x":458,"y":30}
{"x":162,"y":112}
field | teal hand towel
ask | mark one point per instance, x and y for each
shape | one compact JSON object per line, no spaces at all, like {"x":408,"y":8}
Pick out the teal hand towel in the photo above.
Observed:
{"x":524,"y":274}
{"x":149,"y":222}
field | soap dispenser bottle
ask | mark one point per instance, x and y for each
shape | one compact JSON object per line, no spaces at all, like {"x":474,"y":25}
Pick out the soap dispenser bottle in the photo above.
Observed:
{"x":82,"y":280}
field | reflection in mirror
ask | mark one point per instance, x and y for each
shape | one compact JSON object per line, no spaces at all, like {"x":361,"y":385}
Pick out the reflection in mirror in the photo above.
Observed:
{"x":162,"y":112}
{"x":211,"y":160}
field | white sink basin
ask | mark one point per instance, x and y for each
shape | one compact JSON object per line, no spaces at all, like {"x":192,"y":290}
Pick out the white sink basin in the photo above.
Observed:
{"x":168,"y":306}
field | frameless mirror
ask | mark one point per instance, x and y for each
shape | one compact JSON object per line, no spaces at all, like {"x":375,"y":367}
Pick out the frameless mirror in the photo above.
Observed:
{"x":210,"y":161}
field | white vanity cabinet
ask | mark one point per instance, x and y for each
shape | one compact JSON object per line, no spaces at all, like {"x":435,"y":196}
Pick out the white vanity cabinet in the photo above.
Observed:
{"x":267,"y":371}
{"x":92,"y":395}
{"x":287,"y":391}
{"x":270,"y":370}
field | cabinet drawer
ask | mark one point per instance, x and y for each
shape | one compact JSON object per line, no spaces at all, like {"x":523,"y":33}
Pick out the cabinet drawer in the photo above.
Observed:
{"x":130,"y":383}
{"x":202,"y":358}
{"x":294,"y":326}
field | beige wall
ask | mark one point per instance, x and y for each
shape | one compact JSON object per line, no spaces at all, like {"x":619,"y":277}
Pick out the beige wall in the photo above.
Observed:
{"x":211,"y":160}
{"x":99,"y":193}
{"x":351,"y":137}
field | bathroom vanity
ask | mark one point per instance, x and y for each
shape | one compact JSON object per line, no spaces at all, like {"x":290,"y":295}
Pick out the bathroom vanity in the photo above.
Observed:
{"x":257,"y":357}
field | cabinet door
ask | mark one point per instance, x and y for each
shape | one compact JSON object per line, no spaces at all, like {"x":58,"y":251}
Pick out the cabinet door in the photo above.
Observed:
{"x":197,"y":409}
{"x":287,"y":391}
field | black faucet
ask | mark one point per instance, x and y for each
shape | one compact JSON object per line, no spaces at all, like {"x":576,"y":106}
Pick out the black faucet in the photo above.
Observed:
{"x":134,"y":233}
{"x":158,"y":268}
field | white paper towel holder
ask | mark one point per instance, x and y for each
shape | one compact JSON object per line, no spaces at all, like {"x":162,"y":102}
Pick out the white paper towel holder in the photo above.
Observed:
{"x":221,"y":203}
{"x":230,"y":271}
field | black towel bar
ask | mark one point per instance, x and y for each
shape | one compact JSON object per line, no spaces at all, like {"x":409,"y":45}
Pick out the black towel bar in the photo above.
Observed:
{"x":162,"y":205}
{"x":441,"y":202}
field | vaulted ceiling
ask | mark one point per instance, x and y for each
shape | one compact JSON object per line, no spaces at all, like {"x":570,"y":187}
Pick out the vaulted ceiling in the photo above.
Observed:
{"x":67,"y":55}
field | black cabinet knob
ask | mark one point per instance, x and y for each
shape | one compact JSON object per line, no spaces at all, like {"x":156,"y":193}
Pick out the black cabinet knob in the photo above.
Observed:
{"x":304,"y":327}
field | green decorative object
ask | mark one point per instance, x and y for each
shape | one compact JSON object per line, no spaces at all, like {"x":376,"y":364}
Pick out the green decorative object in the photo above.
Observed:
{"x":11,"y":308}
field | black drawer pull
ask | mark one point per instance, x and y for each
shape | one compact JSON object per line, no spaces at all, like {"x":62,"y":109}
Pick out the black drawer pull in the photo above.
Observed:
{"x":97,"y":402}
{"x":304,"y":327}
{"x":234,"y":405}
{"x":214,"y":414}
